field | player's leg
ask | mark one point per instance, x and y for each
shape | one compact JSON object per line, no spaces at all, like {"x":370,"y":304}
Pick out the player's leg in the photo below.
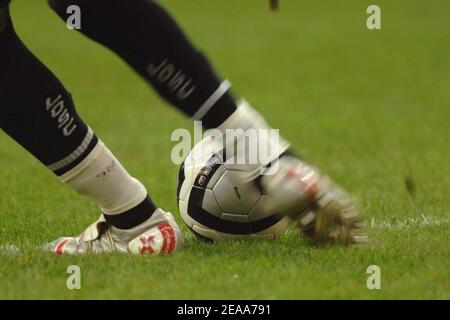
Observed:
{"x":148,"y":39}
{"x":38,"y":113}
{"x":151,"y":42}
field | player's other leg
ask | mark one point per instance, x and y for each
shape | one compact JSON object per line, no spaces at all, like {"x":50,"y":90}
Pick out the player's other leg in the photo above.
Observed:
{"x":38,"y":113}
{"x":147,"y":37}
{"x":144,"y":35}
{"x":150,"y":41}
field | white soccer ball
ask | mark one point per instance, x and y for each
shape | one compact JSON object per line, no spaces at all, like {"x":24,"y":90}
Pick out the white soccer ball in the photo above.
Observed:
{"x":218,"y":201}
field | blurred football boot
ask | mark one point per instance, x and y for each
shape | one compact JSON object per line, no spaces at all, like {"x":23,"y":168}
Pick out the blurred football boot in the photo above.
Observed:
{"x":159,"y":235}
{"x":325,"y":212}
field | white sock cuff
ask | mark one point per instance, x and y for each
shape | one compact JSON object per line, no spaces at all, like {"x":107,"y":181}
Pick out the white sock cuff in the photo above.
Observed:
{"x":101,"y":177}
{"x":212,"y":100}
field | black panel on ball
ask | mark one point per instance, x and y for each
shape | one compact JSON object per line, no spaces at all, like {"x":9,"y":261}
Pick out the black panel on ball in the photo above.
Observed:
{"x":181,"y":178}
{"x":196,"y":211}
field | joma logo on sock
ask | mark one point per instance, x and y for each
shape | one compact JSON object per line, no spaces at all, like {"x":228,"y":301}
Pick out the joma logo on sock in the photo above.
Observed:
{"x":176,"y":80}
{"x":60,"y":113}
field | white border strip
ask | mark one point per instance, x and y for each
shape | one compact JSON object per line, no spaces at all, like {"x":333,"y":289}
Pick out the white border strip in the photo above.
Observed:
{"x":74,"y":155}
{"x":211,"y":101}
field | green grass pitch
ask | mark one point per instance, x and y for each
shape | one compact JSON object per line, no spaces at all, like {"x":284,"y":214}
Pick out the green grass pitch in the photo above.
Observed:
{"x":369,"y":107}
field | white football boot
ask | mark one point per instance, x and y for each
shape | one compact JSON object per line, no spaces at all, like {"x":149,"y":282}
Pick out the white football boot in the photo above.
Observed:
{"x":325,"y":212}
{"x":159,"y":235}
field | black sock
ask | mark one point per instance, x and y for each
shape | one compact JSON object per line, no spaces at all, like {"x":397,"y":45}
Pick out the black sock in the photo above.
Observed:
{"x":35,"y":108}
{"x":149,"y":40}
{"x":38,"y":113}
{"x":133,"y":217}
{"x":4,"y":3}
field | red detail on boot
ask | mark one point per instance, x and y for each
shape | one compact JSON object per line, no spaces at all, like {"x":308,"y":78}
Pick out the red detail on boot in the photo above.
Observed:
{"x":169,"y":240}
{"x":146,"y":248}
{"x":61,"y":246}
{"x":307,"y":186}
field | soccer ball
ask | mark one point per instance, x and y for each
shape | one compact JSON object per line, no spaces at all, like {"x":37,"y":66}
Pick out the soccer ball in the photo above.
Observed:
{"x":217,"y":200}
